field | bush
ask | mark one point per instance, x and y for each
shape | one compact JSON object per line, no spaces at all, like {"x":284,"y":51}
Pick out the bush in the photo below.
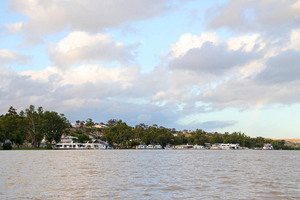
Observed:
{"x":7,"y":146}
{"x":49,"y":146}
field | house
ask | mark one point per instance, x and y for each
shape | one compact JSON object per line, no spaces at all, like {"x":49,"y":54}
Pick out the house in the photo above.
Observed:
{"x":100,"y":126}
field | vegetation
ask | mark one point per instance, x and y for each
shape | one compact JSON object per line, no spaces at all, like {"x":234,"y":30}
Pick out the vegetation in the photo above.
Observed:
{"x":31,"y":126}
{"x":7,"y":146}
{"x":121,"y":135}
{"x":35,"y":125}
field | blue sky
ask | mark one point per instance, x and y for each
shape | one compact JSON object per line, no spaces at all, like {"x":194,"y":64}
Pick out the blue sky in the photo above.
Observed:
{"x":214,"y":65}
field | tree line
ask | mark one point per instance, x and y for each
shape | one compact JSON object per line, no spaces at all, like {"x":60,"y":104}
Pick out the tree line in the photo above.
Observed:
{"x":32,"y":126}
{"x":122,"y":135}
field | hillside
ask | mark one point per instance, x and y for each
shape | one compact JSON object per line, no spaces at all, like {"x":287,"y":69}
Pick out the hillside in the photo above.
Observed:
{"x":292,"y":142}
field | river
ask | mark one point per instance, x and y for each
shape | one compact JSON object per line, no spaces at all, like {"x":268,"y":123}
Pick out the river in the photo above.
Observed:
{"x":150,"y":174}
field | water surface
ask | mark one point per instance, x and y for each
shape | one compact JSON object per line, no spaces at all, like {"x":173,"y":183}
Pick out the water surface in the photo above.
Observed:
{"x":150,"y":174}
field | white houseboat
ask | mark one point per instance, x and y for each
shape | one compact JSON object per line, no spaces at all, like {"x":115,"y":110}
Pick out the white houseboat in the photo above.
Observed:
{"x":168,"y":147}
{"x":150,"y":146}
{"x":199,"y":147}
{"x":77,"y":146}
{"x":230,"y":146}
{"x":142,"y":146}
{"x":268,"y":147}
{"x":187,"y":146}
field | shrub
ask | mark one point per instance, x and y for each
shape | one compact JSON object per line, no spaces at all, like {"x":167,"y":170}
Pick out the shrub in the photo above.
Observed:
{"x":7,"y":146}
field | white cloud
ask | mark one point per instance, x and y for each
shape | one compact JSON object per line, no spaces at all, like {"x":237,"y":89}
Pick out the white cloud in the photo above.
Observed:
{"x":81,"y":47}
{"x":284,"y":67}
{"x":188,"y":41}
{"x":208,"y":125}
{"x":8,"y":56}
{"x":255,"y":15}
{"x":295,"y":39}
{"x":246,"y":43}
{"x":201,"y":73}
{"x":176,"y":88}
{"x":15,"y":27}
{"x":232,"y":73}
{"x":213,"y":59}
{"x":122,"y":93}
{"x":52,"y":16}
{"x":83,"y":74}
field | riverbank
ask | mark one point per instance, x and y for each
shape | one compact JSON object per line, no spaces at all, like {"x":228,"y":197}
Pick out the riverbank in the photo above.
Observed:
{"x":25,"y":148}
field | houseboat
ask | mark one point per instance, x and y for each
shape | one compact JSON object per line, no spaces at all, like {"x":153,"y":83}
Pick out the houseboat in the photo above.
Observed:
{"x":268,"y":147}
{"x":150,"y":146}
{"x":168,"y":147}
{"x":187,"y":146}
{"x":199,"y":147}
{"x":78,"y":146}
{"x":142,"y":146}
{"x":230,"y":146}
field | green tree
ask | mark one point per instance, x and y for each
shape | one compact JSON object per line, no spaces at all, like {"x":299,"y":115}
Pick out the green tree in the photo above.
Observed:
{"x":18,"y":138}
{"x":12,"y":126}
{"x":2,"y":134}
{"x":120,"y":134}
{"x":82,"y":138}
{"x":9,"y":123}
{"x":259,"y":142}
{"x":112,"y":122}
{"x":36,"y":124}
{"x":89,"y":122}
{"x":54,"y":126}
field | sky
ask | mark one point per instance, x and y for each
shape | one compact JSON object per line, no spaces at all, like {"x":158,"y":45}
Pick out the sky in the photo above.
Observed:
{"x":222,"y":65}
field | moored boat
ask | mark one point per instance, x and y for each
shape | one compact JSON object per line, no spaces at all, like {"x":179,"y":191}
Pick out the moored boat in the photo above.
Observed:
{"x":268,"y":147}
{"x":78,"y":146}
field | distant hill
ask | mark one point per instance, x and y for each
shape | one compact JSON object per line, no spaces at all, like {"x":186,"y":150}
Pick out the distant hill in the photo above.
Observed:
{"x":292,"y":142}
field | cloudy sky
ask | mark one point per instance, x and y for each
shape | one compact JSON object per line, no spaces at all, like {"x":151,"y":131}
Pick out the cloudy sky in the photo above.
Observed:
{"x":185,"y":64}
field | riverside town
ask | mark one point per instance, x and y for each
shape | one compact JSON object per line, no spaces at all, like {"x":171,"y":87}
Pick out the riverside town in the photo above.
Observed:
{"x":39,"y":129}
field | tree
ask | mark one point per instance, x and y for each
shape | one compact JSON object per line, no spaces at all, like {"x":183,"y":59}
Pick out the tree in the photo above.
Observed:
{"x":18,"y":138}
{"x":10,"y":126}
{"x":119,"y":134}
{"x":55,"y":125}
{"x":112,"y":122}
{"x":259,"y":142}
{"x":2,"y":134}
{"x":89,"y":122}
{"x":82,"y":138}
{"x":12,"y":111}
{"x":139,"y":132}
{"x":36,"y":124}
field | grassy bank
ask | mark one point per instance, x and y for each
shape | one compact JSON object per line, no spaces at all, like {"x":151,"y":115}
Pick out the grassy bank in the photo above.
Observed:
{"x":27,"y":148}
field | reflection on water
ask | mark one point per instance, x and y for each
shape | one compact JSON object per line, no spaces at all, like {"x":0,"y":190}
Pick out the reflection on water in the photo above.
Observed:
{"x":149,"y":174}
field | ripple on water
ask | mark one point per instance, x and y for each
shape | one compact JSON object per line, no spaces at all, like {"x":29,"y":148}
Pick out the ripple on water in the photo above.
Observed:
{"x":149,"y":175}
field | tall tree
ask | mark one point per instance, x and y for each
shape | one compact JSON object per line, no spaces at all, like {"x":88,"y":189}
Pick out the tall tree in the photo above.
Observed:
{"x":112,"y":122}
{"x":89,"y":122}
{"x":10,"y":123}
{"x":54,"y":126}
{"x":36,"y":124}
{"x":121,"y":134}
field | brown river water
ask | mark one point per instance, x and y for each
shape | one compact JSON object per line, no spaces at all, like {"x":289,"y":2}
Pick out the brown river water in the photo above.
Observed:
{"x":150,"y":174}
